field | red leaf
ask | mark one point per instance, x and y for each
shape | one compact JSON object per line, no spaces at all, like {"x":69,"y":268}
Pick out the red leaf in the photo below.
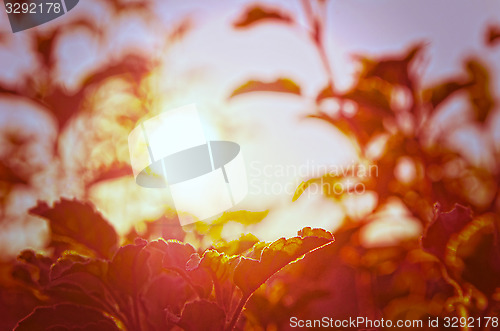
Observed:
{"x":325,"y":93}
{"x":40,"y":263}
{"x":180,"y":30}
{"x":437,"y":94}
{"x":480,"y":94}
{"x":493,"y":35}
{"x":66,"y":316}
{"x":166,"y":227}
{"x":129,"y":271}
{"x":250,"y":274}
{"x":283,"y":85}
{"x":176,"y":258}
{"x":80,"y":281}
{"x":177,"y":254}
{"x":83,"y":289}
{"x":244,"y":217}
{"x":481,"y":254}
{"x":443,"y":228}
{"x":201,"y":315}
{"x":65,"y":264}
{"x":258,"y":14}
{"x":220,"y":264}
{"x":7,"y":174}
{"x":80,"y":225}
{"x":165,"y":292}
{"x":221,"y":268}
{"x":394,"y":70}
{"x":315,"y":232}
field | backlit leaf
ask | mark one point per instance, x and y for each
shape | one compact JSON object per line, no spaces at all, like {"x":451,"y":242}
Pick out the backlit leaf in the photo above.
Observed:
{"x":493,"y":35}
{"x":221,"y":268}
{"x":392,"y":69}
{"x":128,"y":271}
{"x":40,"y":263}
{"x":244,"y":217}
{"x":327,"y":182}
{"x":164,"y":292}
{"x":315,"y":232}
{"x":257,"y":14}
{"x":79,"y":224}
{"x":283,"y":85}
{"x":219,"y":264}
{"x":371,"y":94}
{"x":238,"y":246}
{"x":303,"y":187}
{"x":177,"y":258}
{"x":250,"y":274}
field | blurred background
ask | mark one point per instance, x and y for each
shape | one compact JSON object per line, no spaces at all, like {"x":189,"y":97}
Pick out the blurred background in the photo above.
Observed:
{"x":71,"y":91}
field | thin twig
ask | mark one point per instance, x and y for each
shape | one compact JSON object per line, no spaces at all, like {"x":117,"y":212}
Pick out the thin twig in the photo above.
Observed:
{"x":317,"y":37}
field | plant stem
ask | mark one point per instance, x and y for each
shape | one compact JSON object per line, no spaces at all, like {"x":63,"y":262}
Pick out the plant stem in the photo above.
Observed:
{"x":317,"y":37}
{"x":238,"y":311}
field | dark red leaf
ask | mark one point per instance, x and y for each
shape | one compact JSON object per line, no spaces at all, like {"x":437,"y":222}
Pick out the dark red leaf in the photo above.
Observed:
{"x":66,"y":316}
{"x":437,"y":94}
{"x":371,"y":98}
{"x":480,"y":253}
{"x":201,"y":315}
{"x":221,"y":268}
{"x":81,"y":281}
{"x":259,"y":14}
{"x":180,"y":30}
{"x":244,"y":217}
{"x":25,"y":274}
{"x":238,"y":246}
{"x":80,"y":225}
{"x":392,"y":69}
{"x":493,"y":35}
{"x":166,"y":227}
{"x":176,"y":259}
{"x":165,"y":292}
{"x":325,"y":93}
{"x":444,"y":226}
{"x":129,"y":271}
{"x":283,"y":85}
{"x":66,"y":263}
{"x":40,"y":263}
{"x":480,"y":94}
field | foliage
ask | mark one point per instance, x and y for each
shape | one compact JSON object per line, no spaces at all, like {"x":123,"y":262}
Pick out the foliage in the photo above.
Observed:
{"x":89,"y":278}
{"x":148,"y":285}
